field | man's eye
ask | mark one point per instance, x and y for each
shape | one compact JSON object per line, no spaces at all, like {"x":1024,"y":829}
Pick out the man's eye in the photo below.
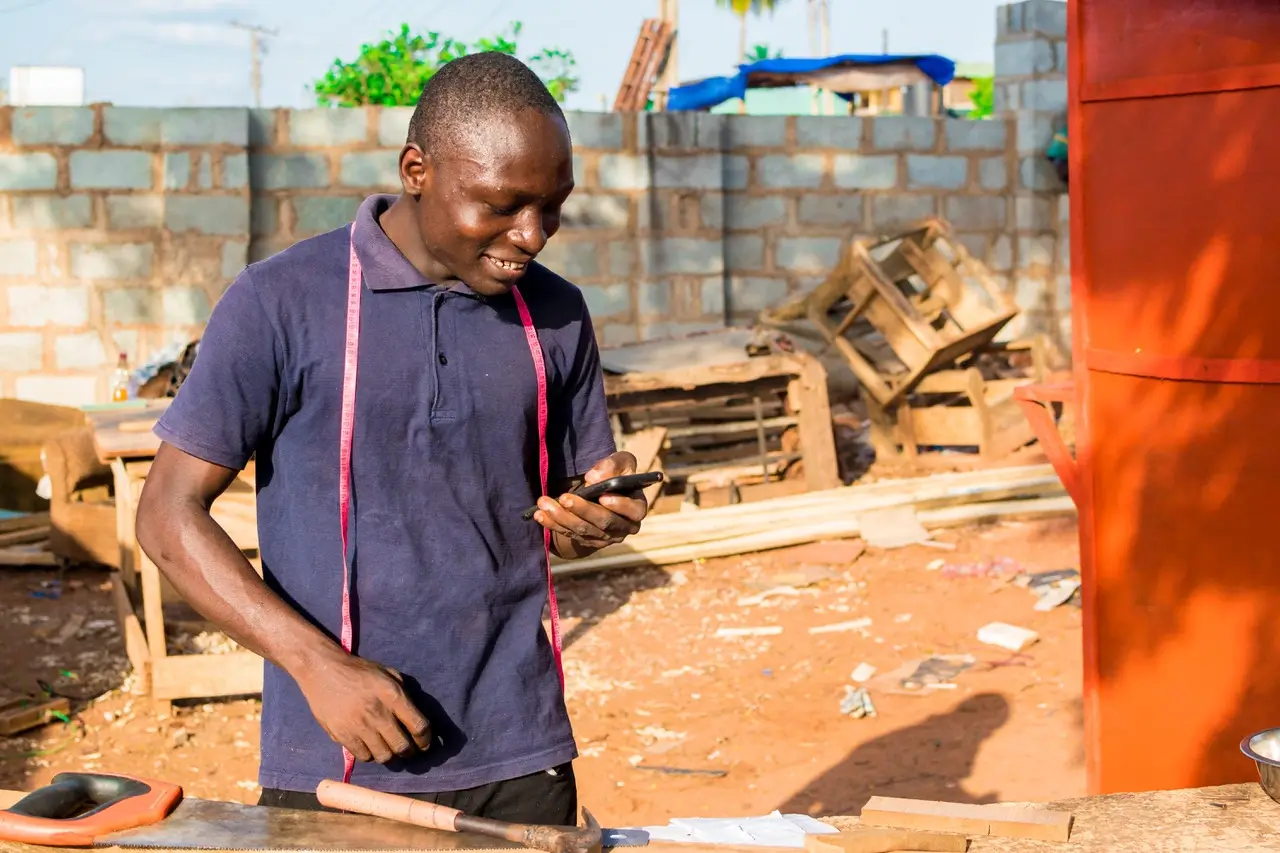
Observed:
{"x":503,"y":211}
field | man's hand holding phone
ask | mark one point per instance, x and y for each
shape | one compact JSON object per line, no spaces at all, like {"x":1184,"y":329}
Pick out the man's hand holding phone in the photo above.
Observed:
{"x":600,"y":512}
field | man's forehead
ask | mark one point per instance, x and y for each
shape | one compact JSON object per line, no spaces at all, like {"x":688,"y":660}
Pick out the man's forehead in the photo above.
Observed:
{"x":498,"y":138}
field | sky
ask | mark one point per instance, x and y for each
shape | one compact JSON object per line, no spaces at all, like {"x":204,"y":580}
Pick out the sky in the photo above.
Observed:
{"x":185,"y":53}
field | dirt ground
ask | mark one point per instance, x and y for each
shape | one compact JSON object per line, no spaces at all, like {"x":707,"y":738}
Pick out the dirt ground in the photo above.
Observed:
{"x":734,"y":725}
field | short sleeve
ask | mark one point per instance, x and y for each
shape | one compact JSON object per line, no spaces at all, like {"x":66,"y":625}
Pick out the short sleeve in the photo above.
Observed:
{"x":227,"y":405}
{"x":578,"y":430}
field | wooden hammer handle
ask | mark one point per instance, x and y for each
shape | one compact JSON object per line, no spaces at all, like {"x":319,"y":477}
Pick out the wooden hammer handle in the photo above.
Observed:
{"x":353,"y":798}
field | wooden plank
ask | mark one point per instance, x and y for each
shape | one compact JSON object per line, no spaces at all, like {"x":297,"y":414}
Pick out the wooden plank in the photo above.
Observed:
{"x":135,"y":641}
{"x":125,"y":431}
{"x":20,"y":715}
{"x":206,"y":676}
{"x":25,"y":537}
{"x":28,"y":555}
{"x":23,"y":521}
{"x":876,"y":839}
{"x":646,"y":447}
{"x":152,"y":609}
{"x":807,"y":397}
{"x":697,"y":376}
{"x":1004,"y":821}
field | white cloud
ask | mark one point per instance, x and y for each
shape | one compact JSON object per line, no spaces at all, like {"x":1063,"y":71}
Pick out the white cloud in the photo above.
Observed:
{"x":177,"y":6}
{"x":176,"y":33}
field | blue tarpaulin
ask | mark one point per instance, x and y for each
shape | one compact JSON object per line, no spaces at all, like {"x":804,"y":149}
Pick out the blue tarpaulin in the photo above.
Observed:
{"x":705,"y":94}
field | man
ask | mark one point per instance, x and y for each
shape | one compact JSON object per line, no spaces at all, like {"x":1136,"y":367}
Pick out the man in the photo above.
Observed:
{"x":452,"y":692}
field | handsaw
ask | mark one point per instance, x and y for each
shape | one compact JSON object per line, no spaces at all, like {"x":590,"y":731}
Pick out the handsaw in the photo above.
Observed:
{"x":131,"y":812}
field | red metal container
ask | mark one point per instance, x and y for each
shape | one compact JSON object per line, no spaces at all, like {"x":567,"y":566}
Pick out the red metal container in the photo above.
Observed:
{"x":1175,"y":249}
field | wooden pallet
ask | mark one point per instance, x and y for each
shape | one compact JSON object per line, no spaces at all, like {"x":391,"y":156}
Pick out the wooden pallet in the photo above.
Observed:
{"x":20,"y":715}
{"x":647,"y":61}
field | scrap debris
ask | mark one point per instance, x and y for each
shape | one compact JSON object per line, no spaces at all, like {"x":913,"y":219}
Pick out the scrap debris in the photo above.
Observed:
{"x":857,"y":703}
{"x":1007,"y":636}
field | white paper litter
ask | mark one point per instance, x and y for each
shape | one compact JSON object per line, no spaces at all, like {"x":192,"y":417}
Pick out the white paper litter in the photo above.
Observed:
{"x":772,"y":830}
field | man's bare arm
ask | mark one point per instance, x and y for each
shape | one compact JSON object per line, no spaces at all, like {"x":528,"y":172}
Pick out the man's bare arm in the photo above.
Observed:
{"x":359,"y":703}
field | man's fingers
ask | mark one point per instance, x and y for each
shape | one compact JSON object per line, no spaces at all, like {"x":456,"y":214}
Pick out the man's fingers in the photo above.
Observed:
{"x":356,"y":746}
{"x":571,"y":521}
{"x":632,"y":509}
{"x":377,"y":746}
{"x":414,"y":722}
{"x":599,"y":517}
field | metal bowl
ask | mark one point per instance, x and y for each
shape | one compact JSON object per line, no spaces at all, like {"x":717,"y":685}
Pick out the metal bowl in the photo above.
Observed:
{"x":1264,"y":748}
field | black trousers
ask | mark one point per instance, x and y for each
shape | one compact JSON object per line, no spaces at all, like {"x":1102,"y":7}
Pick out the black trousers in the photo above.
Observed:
{"x":548,"y":797}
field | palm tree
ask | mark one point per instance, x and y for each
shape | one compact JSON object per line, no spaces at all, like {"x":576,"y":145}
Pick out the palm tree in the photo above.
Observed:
{"x":742,"y":8}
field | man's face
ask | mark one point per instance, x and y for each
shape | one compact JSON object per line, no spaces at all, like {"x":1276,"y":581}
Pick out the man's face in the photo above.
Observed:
{"x":489,"y":202}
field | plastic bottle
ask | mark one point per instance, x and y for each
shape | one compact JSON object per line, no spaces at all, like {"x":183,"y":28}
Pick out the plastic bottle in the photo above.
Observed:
{"x":120,"y":380}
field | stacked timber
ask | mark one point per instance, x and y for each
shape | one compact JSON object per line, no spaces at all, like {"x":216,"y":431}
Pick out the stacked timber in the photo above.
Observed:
{"x":24,"y":539}
{"x":941,"y":500}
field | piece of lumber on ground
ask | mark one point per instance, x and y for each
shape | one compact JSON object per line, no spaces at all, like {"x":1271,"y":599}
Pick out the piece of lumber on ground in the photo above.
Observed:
{"x":20,"y":715}
{"x":1005,"y":821}
{"x":877,"y":839}
{"x":25,"y":537}
{"x":28,"y":555}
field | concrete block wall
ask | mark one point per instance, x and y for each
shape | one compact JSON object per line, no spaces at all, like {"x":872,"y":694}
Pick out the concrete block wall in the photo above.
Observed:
{"x":1031,"y":93}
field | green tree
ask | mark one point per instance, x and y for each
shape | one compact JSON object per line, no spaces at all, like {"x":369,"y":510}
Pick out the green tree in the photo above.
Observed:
{"x":982,"y":97}
{"x":392,"y":72}
{"x":742,"y":8}
{"x":760,"y":52}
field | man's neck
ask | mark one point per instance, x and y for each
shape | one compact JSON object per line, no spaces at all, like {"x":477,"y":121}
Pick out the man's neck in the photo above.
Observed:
{"x":399,"y":223}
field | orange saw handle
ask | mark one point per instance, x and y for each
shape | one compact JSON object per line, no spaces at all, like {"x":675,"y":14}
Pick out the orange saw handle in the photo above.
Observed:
{"x":77,"y":809}
{"x":353,"y":798}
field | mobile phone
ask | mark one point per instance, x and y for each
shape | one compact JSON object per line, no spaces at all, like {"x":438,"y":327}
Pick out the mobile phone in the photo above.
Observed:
{"x":626,"y":484}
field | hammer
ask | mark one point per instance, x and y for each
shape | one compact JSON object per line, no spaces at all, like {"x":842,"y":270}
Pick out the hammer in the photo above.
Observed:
{"x":552,"y":839}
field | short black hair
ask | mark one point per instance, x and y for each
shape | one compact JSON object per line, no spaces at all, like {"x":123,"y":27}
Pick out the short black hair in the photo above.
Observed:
{"x":474,"y":88}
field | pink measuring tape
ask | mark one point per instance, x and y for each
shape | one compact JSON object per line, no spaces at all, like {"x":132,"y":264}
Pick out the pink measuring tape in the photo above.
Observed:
{"x":347,"y":428}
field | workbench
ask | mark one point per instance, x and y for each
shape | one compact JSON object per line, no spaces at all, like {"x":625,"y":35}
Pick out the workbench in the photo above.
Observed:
{"x":1226,"y":819}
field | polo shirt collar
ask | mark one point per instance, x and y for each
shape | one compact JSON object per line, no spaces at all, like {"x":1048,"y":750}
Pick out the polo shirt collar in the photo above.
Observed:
{"x":385,"y":266}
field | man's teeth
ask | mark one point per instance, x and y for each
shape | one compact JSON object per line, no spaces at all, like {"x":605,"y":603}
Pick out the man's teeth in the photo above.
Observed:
{"x":507,"y":265}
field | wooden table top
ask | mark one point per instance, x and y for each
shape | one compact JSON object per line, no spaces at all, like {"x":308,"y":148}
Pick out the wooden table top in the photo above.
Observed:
{"x":1226,"y":819}
{"x":123,"y":430}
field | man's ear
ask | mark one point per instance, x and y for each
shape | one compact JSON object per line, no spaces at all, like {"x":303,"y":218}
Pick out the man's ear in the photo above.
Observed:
{"x":414,"y":170}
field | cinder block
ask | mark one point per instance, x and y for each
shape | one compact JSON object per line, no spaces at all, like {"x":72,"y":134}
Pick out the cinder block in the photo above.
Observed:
{"x":288,"y":171}
{"x":845,"y":209}
{"x":891,"y":212}
{"x":111,"y":261}
{"x":622,"y":258}
{"x":653,"y":298}
{"x":1024,"y":58}
{"x":35,"y":171}
{"x":79,"y":351}
{"x":1032,"y":293}
{"x":129,"y":306}
{"x":52,"y":125}
{"x":17,"y":257}
{"x":373,"y":169}
{"x":595,"y":130}
{"x":131,"y":126}
{"x":571,"y":259}
{"x":22,"y":351}
{"x":1060,"y":57}
{"x":235,"y":171}
{"x":755,"y":132}
{"x":858,"y":172}
{"x":737,"y":172}
{"x":736,"y":211}
{"x":993,"y":173}
{"x":976,"y":212}
{"x":135,"y":211}
{"x":1064,"y":209}
{"x":807,"y":254}
{"x":51,"y":211}
{"x":694,"y":172}
{"x":1062,"y":291}
{"x":751,"y":294}
{"x":262,"y":127}
{"x":683,"y":130}
{"x":844,"y":132}
{"x":57,"y":390}
{"x":264,"y":215}
{"x":111,"y":170}
{"x":1034,"y":213}
{"x":618,"y":334}
{"x":624,"y":172}
{"x":711,"y":295}
{"x":948,"y":173}
{"x":219,"y":215}
{"x":607,"y":300}
{"x":1006,"y":98}
{"x":595,"y":210}
{"x":205,"y":126}
{"x":177,"y":170}
{"x":1046,"y":17}
{"x":317,"y":214}
{"x":786,"y":171}
{"x":579,"y":170}
{"x":744,"y":252}
{"x":904,"y":133}
{"x":325,"y":127}
{"x":1043,"y":95}
{"x":1001,"y":258}
{"x":1036,"y":251}
{"x":682,"y":256}
{"x":204,"y":175}
{"x":976,"y":135}
{"x":235,"y":257}
{"x":37,"y":305}
{"x":974,"y":244}
{"x":393,"y":126}
{"x":1036,"y":173}
{"x":1035,"y":132}
{"x":184,"y":306}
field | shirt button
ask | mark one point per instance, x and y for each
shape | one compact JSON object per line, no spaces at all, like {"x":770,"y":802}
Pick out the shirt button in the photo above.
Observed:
{"x":443,"y":360}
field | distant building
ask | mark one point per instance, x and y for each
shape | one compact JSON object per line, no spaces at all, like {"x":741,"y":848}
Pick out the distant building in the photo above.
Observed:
{"x":46,"y":85}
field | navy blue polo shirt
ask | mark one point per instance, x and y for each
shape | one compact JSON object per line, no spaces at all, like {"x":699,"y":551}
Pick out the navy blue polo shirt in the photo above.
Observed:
{"x":449,"y":583}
